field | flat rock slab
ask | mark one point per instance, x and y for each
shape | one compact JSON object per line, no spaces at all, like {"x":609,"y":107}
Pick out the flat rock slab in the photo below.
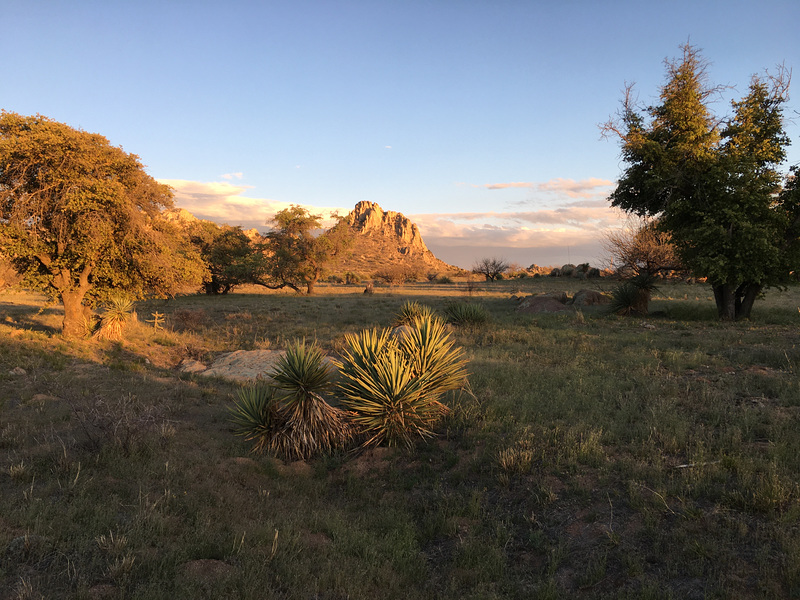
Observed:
{"x":542,"y":304}
{"x":240,"y":365}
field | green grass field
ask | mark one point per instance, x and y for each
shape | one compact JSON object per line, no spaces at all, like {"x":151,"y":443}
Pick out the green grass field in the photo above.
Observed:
{"x":593,"y":456}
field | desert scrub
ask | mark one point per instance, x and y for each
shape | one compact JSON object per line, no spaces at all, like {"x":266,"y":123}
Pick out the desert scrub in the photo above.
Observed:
{"x":393,"y":387}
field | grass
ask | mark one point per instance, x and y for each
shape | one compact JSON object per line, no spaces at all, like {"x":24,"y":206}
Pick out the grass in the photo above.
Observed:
{"x":601,"y":456}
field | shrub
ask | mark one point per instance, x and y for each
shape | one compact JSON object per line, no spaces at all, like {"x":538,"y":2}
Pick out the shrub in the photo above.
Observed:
{"x":393,"y":387}
{"x":444,"y":279}
{"x":465,"y":313}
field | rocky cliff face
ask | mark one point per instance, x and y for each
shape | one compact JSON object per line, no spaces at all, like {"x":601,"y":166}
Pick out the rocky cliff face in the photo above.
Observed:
{"x":386,"y":239}
{"x":369,"y":219}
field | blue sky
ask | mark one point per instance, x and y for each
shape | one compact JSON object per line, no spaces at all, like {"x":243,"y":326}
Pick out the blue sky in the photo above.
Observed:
{"x":477,"y":119}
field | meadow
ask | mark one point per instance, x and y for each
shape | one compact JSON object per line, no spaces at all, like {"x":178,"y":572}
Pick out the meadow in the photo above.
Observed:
{"x":590,"y":456}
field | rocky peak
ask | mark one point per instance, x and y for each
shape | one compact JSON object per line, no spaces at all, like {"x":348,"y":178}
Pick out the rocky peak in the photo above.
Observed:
{"x":370,"y":219}
{"x":386,"y":240}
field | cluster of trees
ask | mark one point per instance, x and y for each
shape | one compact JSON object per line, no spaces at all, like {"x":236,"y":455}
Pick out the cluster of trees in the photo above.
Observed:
{"x":712,"y":182}
{"x":81,"y":221}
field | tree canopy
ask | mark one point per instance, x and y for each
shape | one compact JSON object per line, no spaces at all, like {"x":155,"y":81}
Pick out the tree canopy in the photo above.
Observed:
{"x":296,"y":255}
{"x":80,"y":219}
{"x":231,"y":257}
{"x":491,"y":268}
{"x":713,"y":182}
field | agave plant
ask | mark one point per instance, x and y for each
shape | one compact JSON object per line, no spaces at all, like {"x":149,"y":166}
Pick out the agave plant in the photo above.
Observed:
{"x":310,"y":425}
{"x":393,"y":387}
{"x":410,"y":311}
{"x":118,"y":311}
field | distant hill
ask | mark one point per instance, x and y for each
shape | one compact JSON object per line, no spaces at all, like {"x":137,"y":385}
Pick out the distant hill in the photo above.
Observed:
{"x":385,"y":240}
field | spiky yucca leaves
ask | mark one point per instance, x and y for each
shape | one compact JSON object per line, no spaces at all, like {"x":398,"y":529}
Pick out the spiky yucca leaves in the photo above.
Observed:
{"x":393,"y":387}
{"x":310,"y":425}
{"x":256,"y":417}
{"x":433,"y":357}
{"x":388,"y":403}
{"x":118,"y":311}
{"x":632,"y":297}
{"x":466,"y":313}
{"x":410,"y":311}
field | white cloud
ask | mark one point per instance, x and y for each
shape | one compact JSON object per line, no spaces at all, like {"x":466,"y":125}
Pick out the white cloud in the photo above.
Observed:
{"x":238,"y":175}
{"x":513,"y":184}
{"x":585,"y":188}
{"x":541,"y":235}
{"x":222,"y":202}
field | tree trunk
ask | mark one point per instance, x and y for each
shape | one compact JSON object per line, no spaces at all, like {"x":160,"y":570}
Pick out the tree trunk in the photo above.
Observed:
{"x":745,"y":297}
{"x":75,"y":314}
{"x":725,"y":297}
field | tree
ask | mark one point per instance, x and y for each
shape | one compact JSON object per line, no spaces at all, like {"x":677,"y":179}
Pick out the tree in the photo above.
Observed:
{"x":712,"y":182}
{"x":295,"y":255}
{"x":231,"y":257}
{"x":80,"y":219}
{"x":491,"y":268}
{"x":641,"y":247}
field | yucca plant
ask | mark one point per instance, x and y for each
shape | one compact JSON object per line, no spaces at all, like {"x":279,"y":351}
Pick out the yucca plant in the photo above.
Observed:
{"x":256,"y":417}
{"x":393,"y":387}
{"x":433,"y":357}
{"x":632,"y":297}
{"x":310,"y":424}
{"x":465,"y":313}
{"x":411,"y":310}
{"x":118,"y":311}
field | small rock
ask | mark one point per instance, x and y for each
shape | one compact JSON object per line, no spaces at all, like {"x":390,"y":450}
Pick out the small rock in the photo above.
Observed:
{"x":189,"y":365}
{"x":18,"y":371}
{"x":648,"y":326}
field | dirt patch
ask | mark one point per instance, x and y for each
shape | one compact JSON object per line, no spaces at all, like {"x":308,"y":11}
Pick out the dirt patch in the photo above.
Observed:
{"x":374,"y":459}
{"x":206,"y":570}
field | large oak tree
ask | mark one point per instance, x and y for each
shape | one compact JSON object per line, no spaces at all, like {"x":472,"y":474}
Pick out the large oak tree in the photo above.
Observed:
{"x":713,"y":182}
{"x":80,"y":218}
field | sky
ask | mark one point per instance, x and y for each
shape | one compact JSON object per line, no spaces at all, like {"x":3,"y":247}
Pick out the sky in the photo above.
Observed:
{"x":477,"y":119}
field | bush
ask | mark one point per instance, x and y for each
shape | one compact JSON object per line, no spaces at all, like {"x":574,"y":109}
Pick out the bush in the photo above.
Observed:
{"x":393,"y":388}
{"x":444,"y":279}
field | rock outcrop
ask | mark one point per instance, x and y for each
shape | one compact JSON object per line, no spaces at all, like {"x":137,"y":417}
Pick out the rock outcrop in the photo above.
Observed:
{"x":385,"y":240}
